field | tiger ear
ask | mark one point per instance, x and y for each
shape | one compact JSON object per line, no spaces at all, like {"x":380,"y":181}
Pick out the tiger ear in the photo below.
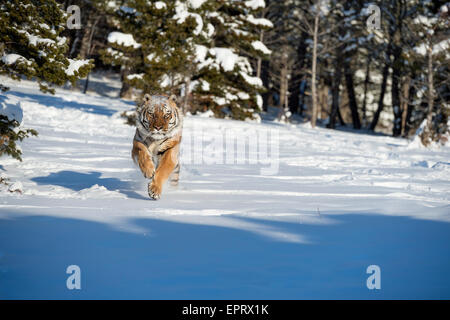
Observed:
{"x":173,"y":98}
{"x":147,"y":98}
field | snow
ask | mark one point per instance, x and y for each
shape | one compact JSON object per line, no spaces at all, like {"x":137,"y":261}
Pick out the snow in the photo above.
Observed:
{"x":151,"y":56}
{"x":426,"y":21}
{"x":301,"y":216}
{"x":243,"y":95}
{"x":11,"y":58}
{"x":324,"y":7}
{"x":16,"y":187}
{"x":10,"y":108}
{"x":44,"y":26}
{"x":200,"y":53}
{"x":220,"y":101}
{"x":258,"y":45}
{"x":254,"y":81}
{"x":442,"y":46}
{"x":195,"y":4}
{"x":111,"y":4}
{"x":206,"y":114}
{"x":225,"y":57}
{"x":160,"y":5}
{"x":182,"y":14}
{"x":259,"y":21}
{"x":421,"y":49}
{"x":75,"y":65}
{"x":135,"y":76}
{"x":205,"y":86}
{"x":210,"y":30}
{"x":36,"y":39}
{"x":255,"y":4}
{"x":114,"y":53}
{"x":259,"y":101}
{"x":123,"y":39}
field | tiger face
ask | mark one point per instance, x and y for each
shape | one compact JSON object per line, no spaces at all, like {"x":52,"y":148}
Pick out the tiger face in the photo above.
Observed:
{"x":158,"y":115}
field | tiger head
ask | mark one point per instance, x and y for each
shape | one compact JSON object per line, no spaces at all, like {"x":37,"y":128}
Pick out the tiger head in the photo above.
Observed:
{"x":158,"y":115}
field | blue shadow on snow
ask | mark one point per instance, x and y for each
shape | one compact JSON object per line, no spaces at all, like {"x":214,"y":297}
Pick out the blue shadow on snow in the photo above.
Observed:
{"x":78,"y":181}
{"x":188,"y":261}
{"x":60,"y":103}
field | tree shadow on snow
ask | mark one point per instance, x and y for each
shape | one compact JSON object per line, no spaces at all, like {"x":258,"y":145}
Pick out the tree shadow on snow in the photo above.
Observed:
{"x":78,"y":181}
{"x":60,"y":103}
{"x":175,"y":260}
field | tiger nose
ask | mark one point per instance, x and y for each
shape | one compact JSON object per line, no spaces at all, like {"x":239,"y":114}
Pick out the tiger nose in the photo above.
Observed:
{"x":158,"y":127}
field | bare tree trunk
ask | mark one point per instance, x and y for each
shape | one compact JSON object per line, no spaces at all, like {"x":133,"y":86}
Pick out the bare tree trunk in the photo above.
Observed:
{"x":283,"y":88}
{"x":314,"y":70}
{"x":376,"y":116}
{"x":86,"y":38}
{"x":73,"y":47}
{"x":380,"y":107}
{"x":286,"y":94}
{"x":187,"y":93}
{"x":395,"y":92}
{"x":295,"y":93}
{"x":322,"y":100}
{"x":351,"y":95}
{"x":341,"y":120}
{"x":126,"y":90}
{"x":301,"y":102}
{"x":404,"y":99}
{"x":265,"y":80}
{"x":89,"y":52}
{"x":366,"y":85}
{"x":259,"y":61}
{"x":335,"y":96}
{"x":430,"y":87}
{"x":410,"y":107}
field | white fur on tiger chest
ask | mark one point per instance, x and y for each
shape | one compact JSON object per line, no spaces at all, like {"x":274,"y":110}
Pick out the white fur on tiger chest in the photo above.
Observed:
{"x":153,"y":149}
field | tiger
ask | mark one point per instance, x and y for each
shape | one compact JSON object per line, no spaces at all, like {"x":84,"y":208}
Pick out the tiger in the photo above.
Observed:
{"x":156,"y":143}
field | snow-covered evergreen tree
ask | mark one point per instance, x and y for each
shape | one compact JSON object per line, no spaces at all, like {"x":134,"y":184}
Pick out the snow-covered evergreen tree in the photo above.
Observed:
{"x":11,"y":130}
{"x":152,"y":44}
{"x":199,"y":49}
{"x":31,"y":45}
{"x":224,"y":67}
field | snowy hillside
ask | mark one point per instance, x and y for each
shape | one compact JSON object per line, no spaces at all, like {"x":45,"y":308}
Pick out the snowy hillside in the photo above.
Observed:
{"x":333,"y":203}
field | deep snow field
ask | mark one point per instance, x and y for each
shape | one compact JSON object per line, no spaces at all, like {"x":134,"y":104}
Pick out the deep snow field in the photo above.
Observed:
{"x":334,"y":203}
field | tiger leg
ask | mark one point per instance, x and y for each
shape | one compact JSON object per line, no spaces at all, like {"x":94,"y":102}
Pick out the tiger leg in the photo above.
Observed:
{"x":142,"y":157}
{"x":166,"y":165}
{"x":175,"y":176}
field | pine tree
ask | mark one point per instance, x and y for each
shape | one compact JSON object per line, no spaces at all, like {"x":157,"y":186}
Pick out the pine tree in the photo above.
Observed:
{"x":10,"y":128}
{"x":31,"y":47}
{"x":225,"y":67}
{"x":200,"y":49}
{"x":151,"y":44}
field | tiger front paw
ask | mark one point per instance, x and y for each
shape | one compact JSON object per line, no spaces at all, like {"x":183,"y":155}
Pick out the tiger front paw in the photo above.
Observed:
{"x":154,"y":190}
{"x":148,"y":172}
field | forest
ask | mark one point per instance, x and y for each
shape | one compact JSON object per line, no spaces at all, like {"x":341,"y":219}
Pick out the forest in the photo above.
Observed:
{"x":296,"y":150}
{"x":380,"y":66}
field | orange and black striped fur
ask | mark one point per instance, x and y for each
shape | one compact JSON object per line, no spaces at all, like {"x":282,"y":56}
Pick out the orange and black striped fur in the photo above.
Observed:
{"x":156,"y":144}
